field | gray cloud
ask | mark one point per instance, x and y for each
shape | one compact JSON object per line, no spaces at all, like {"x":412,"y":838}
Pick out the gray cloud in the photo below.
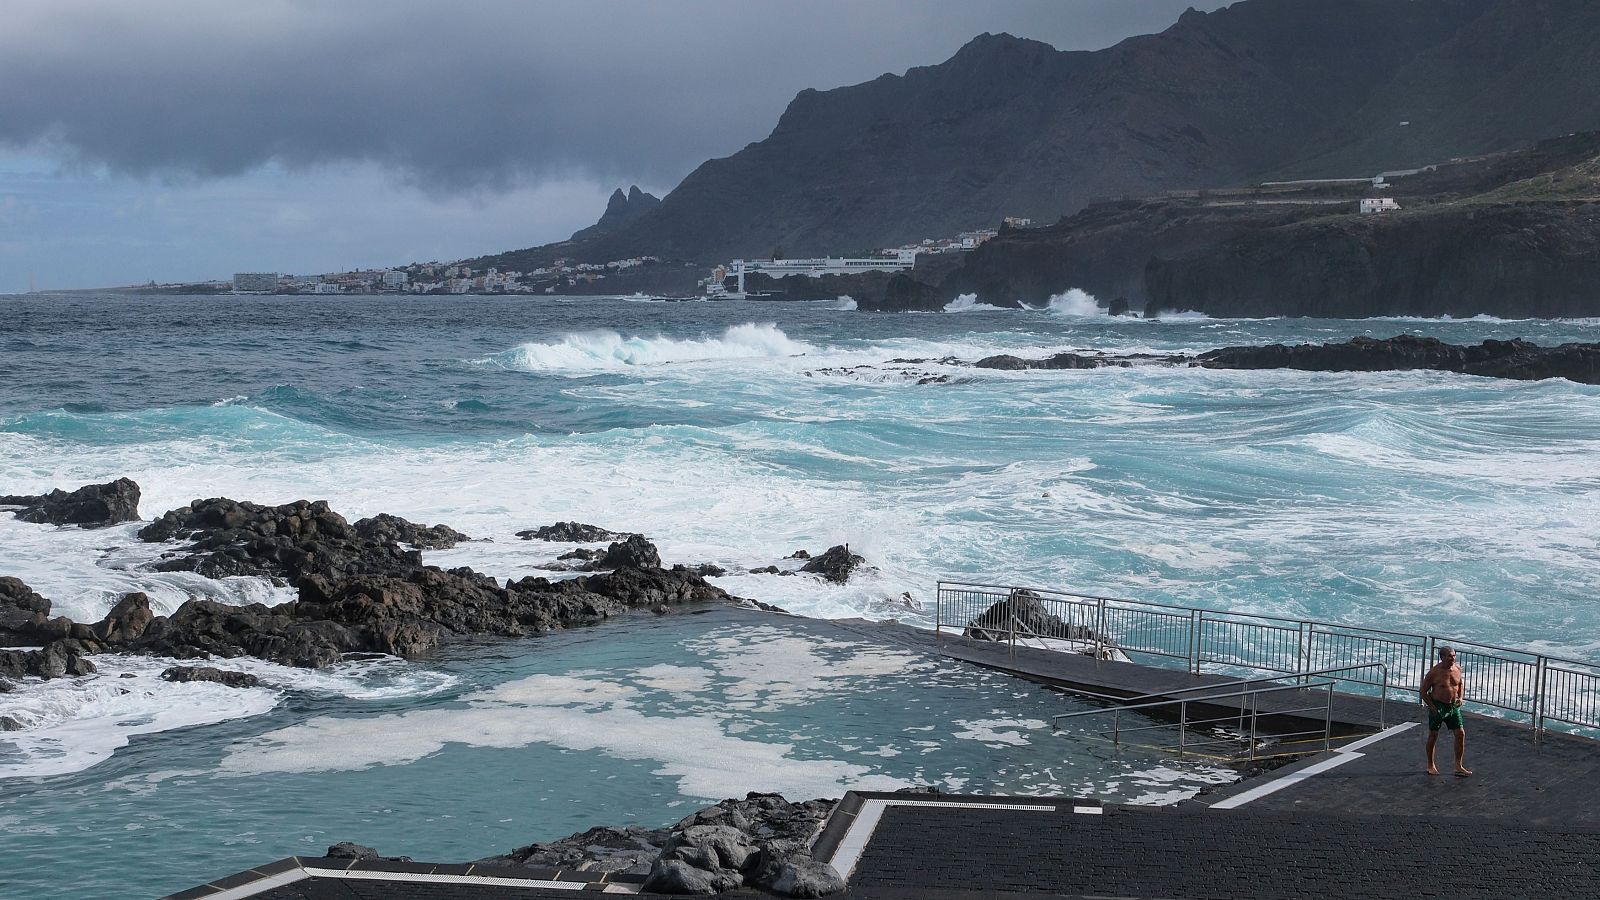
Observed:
{"x":468,"y":94}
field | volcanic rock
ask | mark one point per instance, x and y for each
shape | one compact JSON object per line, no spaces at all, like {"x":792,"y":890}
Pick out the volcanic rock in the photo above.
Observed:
{"x":1024,"y":611}
{"x":571,"y":533}
{"x":126,"y":622}
{"x":633,"y":551}
{"x":835,"y":565}
{"x":384,"y":528}
{"x":7,"y":723}
{"x":91,"y":506}
{"x":55,"y":660}
{"x":762,"y":841}
{"x":347,"y":850}
{"x":1516,"y":359}
{"x":287,"y":542}
{"x":25,"y":615}
{"x":210,"y":674}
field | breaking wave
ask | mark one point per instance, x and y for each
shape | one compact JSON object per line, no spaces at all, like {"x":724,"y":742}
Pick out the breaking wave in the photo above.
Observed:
{"x":606,"y":349}
{"x":1074,"y":302}
{"x":969,"y":303}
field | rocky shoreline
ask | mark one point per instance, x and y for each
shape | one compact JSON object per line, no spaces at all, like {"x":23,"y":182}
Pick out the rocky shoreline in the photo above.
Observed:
{"x":360,"y":587}
{"x":1514,"y":359}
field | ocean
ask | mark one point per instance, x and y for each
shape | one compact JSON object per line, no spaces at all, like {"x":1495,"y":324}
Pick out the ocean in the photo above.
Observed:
{"x":731,"y":433}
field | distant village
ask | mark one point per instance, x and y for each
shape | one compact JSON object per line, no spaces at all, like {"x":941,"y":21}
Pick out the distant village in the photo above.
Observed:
{"x":455,"y":278}
{"x":565,"y":275}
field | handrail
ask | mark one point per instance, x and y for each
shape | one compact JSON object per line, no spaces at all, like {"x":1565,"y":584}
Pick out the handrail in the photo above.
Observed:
{"x":1545,"y":689}
{"x":1383,"y":694}
{"x":1185,"y":723}
{"x":1155,"y":703}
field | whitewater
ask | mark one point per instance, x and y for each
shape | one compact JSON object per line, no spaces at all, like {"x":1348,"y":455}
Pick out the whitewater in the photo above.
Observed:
{"x":730,"y":433}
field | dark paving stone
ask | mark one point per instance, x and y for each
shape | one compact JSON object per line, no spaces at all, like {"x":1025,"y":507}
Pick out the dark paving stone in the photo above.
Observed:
{"x":1543,"y":783}
{"x":1205,"y":854}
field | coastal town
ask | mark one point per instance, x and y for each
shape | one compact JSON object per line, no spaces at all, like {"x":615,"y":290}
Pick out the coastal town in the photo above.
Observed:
{"x":562,"y":275}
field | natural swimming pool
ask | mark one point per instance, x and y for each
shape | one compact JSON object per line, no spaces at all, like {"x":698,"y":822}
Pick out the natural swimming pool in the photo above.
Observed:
{"x":497,"y":744}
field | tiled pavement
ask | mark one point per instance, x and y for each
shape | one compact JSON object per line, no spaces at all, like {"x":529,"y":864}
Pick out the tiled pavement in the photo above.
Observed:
{"x":954,"y":852}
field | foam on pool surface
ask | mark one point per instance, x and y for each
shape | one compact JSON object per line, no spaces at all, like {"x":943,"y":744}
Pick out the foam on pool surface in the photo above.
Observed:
{"x":637,"y":721}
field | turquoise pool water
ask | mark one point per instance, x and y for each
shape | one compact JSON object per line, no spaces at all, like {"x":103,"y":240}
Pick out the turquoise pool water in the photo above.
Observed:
{"x":503,"y":743}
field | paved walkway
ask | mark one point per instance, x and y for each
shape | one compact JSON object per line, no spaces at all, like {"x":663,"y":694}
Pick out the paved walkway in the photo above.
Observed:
{"x":968,"y":852}
{"x":1516,"y":780}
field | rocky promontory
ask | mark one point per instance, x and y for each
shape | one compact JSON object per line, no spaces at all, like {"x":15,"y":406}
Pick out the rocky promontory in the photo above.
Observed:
{"x":361,"y":587}
{"x":1516,"y":359}
{"x":91,"y":506}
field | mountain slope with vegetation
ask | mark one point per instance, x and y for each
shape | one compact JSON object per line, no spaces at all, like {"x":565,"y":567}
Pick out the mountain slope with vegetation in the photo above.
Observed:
{"x":1258,"y":90}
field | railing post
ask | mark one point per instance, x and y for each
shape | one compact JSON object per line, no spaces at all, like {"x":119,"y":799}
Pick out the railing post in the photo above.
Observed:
{"x":1383,"y":698}
{"x":1302,"y":652}
{"x":1327,"y":722}
{"x":1183,"y":725}
{"x":938,"y":610}
{"x":1116,"y":727}
{"x":1100,"y":629}
{"x":1540,"y":682}
{"x":1196,"y":623}
{"x":1255,"y":713}
{"x":1011,"y":608}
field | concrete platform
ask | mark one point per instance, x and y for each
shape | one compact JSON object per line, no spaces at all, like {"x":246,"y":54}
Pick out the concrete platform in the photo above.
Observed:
{"x":960,"y":851}
{"x":1362,"y":820}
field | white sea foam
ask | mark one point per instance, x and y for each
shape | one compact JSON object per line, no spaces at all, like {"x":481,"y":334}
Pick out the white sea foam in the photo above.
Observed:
{"x":70,"y":724}
{"x":770,"y":668}
{"x":997,"y":732}
{"x":845,"y":303}
{"x":602,"y":350}
{"x":969,"y":303}
{"x":563,"y":711}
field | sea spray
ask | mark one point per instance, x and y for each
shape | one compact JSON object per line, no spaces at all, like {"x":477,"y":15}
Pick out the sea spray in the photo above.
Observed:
{"x":969,"y":303}
{"x":1074,"y":302}
{"x":607,"y":349}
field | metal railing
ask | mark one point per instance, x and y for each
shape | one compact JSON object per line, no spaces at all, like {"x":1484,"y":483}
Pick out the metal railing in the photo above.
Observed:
{"x":1247,"y":692}
{"x":1522,"y":685}
{"x":1251,"y":738}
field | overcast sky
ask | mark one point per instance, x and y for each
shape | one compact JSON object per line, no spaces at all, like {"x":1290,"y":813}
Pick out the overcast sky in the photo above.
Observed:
{"x":188,"y":139}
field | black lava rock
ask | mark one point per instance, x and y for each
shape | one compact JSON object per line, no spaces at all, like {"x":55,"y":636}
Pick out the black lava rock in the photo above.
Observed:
{"x":210,"y":674}
{"x":91,"y":506}
{"x":571,"y":533}
{"x":835,"y":565}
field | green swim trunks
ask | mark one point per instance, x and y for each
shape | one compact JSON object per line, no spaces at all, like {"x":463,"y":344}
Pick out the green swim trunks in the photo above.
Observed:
{"x":1445,"y":714}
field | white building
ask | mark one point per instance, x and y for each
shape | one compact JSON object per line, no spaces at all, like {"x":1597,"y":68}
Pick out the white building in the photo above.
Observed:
{"x":1378,"y":204}
{"x":327,"y":287}
{"x":395,"y":279}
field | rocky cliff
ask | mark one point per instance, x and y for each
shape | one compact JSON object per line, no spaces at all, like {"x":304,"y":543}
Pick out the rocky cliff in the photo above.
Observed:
{"x":621,"y":211}
{"x":1504,"y":259}
{"x":1260,"y":89}
{"x":1512,"y":234}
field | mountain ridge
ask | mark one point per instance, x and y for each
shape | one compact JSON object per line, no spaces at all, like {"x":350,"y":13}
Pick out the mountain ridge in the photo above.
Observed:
{"x":1011,"y":126}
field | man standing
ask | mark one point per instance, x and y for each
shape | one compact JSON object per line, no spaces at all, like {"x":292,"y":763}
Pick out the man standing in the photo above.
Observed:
{"x":1442,"y":692}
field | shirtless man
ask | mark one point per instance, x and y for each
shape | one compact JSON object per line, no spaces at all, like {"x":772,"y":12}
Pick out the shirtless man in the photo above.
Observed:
{"x":1442,"y":691}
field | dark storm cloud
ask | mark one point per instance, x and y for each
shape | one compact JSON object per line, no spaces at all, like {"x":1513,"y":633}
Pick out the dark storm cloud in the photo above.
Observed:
{"x":468,"y":93}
